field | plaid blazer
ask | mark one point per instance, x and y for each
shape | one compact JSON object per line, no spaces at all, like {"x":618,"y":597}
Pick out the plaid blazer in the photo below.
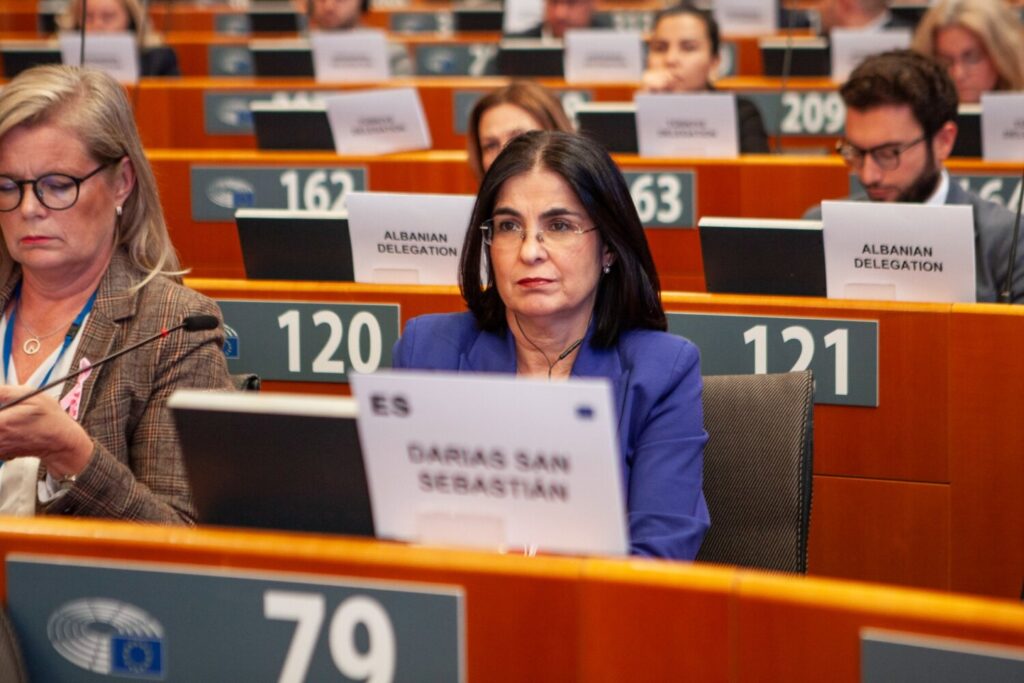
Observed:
{"x":136,"y":471}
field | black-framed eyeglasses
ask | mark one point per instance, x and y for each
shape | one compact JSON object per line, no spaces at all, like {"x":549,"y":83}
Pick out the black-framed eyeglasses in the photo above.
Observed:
{"x":509,"y":233}
{"x":887,"y":156}
{"x":55,"y":191}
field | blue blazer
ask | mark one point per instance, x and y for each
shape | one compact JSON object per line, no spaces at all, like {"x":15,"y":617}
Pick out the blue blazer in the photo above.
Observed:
{"x":656,"y":386}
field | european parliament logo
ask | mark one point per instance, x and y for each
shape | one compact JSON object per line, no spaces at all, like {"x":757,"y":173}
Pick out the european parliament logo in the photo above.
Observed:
{"x":231,"y":193}
{"x":108,"y":637}
{"x":230,"y":343}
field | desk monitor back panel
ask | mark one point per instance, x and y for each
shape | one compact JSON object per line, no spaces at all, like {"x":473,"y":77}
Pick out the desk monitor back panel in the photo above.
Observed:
{"x":613,"y":124}
{"x":968,"y":131}
{"x":530,"y":58}
{"x":478,"y":18}
{"x":274,"y":461}
{"x":295,"y":245}
{"x":17,"y":58}
{"x":288,"y":126}
{"x":270,"y":60}
{"x":809,"y":57}
{"x":268,"y":19}
{"x":762,"y":256}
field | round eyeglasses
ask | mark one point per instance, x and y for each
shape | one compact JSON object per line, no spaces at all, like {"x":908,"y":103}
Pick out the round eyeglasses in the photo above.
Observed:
{"x":509,"y":233}
{"x":55,"y":191}
{"x":887,"y":156}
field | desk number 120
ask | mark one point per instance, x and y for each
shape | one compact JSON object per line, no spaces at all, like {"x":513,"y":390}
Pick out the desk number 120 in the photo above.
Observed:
{"x":836,"y":339}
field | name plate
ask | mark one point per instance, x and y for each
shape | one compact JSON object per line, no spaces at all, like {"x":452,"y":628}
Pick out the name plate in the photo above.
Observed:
{"x":664,"y":199}
{"x":406,"y":238}
{"x":80,"y":620}
{"x":227,"y":113}
{"x":216,"y":191}
{"x":899,"y":252}
{"x":115,"y":53}
{"x":747,"y":17}
{"x":1002,"y":126}
{"x":314,"y":341}
{"x":378,"y":121}
{"x":851,"y":46}
{"x":843,"y":354}
{"x":893,"y":656}
{"x":690,"y":125}
{"x":801,"y":113}
{"x":457,"y":59}
{"x":358,"y":56}
{"x":603,"y":56}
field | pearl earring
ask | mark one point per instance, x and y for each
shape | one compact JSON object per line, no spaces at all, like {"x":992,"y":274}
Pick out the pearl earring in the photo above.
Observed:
{"x":118,"y":210}
{"x":607,"y":268}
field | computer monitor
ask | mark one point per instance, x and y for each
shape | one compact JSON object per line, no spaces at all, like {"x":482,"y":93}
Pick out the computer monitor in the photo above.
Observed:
{"x":281,"y":244}
{"x":291,"y":126}
{"x":763,"y":256}
{"x":613,"y":124}
{"x":808,"y":56}
{"x":274,"y":461}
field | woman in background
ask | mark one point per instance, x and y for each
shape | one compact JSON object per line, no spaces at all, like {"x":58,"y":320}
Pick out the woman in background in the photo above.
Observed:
{"x":502,"y":114}
{"x":123,"y":16}
{"x":980,"y":42}
{"x":571,"y":291}
{"x":683,"y":57}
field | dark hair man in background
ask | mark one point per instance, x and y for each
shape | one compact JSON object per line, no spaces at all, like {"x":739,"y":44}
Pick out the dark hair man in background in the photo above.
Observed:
{"x":900,"y":127}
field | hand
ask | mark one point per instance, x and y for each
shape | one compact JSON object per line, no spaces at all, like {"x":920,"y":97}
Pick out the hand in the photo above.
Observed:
{"x":39,"y":427}
{"x":660,"y":80}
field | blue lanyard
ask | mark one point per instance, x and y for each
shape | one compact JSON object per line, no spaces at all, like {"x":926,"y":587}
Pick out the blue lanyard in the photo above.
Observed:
{"x":68,"y":338}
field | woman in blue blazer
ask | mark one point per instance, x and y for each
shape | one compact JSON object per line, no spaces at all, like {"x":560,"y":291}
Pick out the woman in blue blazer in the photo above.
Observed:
{"x":571,"y":291}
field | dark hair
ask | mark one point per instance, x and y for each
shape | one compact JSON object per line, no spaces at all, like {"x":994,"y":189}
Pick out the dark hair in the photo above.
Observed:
{"x":533,"y":98}
{"x":628,"y":296}
{"x":903,"y":77}
{"x":686,"y":9}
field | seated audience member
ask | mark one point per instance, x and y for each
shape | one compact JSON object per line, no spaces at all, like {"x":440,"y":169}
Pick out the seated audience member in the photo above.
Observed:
{"x":502,"y":114}
{"x":980,"y":42}
{"x":120,"y":16}
{"x":87,"y":268}
{"x":859,"y":14}
{"x":900,"y":127}
{"x":560,"y":15}
{"x":346,"y":15}
{"x":572,"y":292}
{"x":683,"y":57}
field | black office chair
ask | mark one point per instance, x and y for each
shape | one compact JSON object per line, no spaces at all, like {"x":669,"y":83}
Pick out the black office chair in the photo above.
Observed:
{"x":757,"y":469}
{"x":246,"y":381}
{"x":12,"y":665}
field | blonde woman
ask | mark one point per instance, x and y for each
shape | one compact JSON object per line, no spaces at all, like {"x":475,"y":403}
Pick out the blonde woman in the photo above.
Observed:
{"x":121,"y":16}
{"x":980,"y":42}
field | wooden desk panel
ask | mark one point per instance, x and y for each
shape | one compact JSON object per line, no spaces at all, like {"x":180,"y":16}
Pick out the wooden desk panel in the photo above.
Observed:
{"x":575,"y":619}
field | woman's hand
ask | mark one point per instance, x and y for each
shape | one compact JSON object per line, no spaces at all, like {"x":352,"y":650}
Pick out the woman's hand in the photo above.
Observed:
{"x":39,"y":427}
{"x":660,"y":80}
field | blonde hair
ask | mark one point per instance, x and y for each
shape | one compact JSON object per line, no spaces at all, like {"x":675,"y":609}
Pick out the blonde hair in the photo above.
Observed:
{"x":995,"y":25}
{"x":94,"y":107}
{"x":71,"y":20}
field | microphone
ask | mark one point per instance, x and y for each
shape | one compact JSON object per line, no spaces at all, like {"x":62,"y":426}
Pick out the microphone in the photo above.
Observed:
{"x":192,"y":323}
{"x":81,"y":35}
{"x":1006,"y":293}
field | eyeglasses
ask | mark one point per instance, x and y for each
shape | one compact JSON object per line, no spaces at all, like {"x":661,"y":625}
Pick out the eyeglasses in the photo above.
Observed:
{"x":508,"y":233}
{"x":55,"y":191}
{"x":968,"y":59}
{"x":886,"y":156}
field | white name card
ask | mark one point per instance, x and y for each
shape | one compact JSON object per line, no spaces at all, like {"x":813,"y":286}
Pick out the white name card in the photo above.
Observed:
{"x":1002,"y":126}
{"x":115,"y":53}
{"x":851,"y":46}
{"x":407,"y":238}
{"x":686,"y":125}
{"x":377,"y":121}
{"x":898,"y":251}
{"x":492,"y":461}
{"x":746,"y":17}
{"x":358,"y":56}
{"x":603,"y":56}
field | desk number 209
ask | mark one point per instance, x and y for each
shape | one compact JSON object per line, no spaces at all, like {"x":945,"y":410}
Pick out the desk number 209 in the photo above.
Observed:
{"x":373,"y":664}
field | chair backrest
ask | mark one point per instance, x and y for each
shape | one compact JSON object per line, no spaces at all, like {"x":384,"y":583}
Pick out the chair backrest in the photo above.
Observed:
{"x":12,"y":666}
{"x":246,"y":381}
{"x":757,"y":469}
